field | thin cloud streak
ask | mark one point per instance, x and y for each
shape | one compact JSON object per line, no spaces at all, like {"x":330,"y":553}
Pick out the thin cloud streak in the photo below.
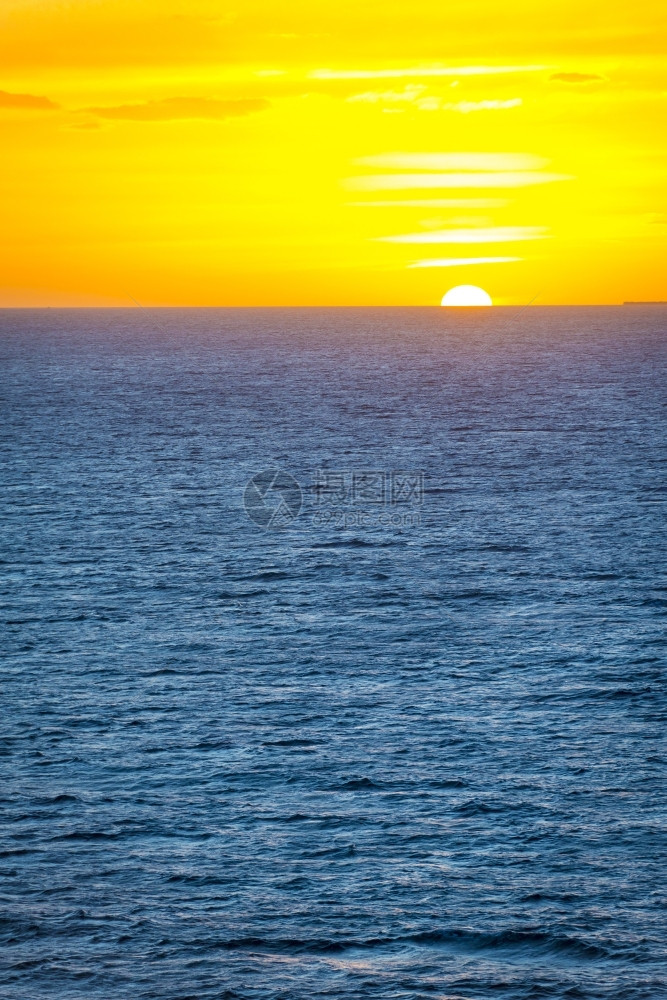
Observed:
{"x":454,"y":161}
{"x":576,"y":77}
{"x":432,"y":203}
{"x":466,"y":107}
{"x":462,"y":261}
{"x":495,"y":234}
{"x":418,"y":71}
{"x":422,"y":102}
{"x":496,"y":179}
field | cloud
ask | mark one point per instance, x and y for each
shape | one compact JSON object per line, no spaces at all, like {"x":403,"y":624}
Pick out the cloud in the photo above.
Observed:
{"x":411,"y":92}
{"x":432,"y":203}
{"x":496,"y":234}
{"x":174,"y":108}
{"x":28,"y":102}
{"x":417,"y":71}
{"x":496,"y":179}
{"x":415,"y":94}
{"x":575,"y":77}
{"x":462,"y":261}
{"x":465,"y":107}
{"x":453,"y":161}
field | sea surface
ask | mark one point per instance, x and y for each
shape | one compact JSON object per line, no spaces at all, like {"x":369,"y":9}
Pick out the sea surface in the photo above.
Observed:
{"x":333,"y":654}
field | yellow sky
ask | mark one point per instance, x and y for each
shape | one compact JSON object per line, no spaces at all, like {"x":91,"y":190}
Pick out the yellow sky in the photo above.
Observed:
{"x":312,"y":152}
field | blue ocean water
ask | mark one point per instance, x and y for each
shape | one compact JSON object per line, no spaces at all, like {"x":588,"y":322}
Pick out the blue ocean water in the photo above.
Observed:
{"x":405,"y":742}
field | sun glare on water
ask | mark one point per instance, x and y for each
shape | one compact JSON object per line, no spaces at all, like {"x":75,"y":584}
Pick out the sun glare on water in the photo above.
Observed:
{"x":466,"y":295}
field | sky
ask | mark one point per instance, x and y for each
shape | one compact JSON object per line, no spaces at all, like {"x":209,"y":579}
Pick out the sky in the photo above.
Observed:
{"x":312,"y":152}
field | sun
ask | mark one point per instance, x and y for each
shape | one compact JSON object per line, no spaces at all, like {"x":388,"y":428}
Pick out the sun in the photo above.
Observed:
{"x":466,"y":295}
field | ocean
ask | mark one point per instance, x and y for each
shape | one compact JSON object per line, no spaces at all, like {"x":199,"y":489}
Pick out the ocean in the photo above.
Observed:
{"x":333,"y":654}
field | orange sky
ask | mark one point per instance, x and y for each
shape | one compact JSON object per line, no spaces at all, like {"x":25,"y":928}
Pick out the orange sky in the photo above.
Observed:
{"x":307,"y":152}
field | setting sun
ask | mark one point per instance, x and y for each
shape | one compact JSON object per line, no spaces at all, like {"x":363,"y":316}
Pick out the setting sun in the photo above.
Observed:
{"x":466,"y":295}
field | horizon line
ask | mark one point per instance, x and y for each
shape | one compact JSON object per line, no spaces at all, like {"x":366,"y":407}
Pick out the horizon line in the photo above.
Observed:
{"x":435,"y":305}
